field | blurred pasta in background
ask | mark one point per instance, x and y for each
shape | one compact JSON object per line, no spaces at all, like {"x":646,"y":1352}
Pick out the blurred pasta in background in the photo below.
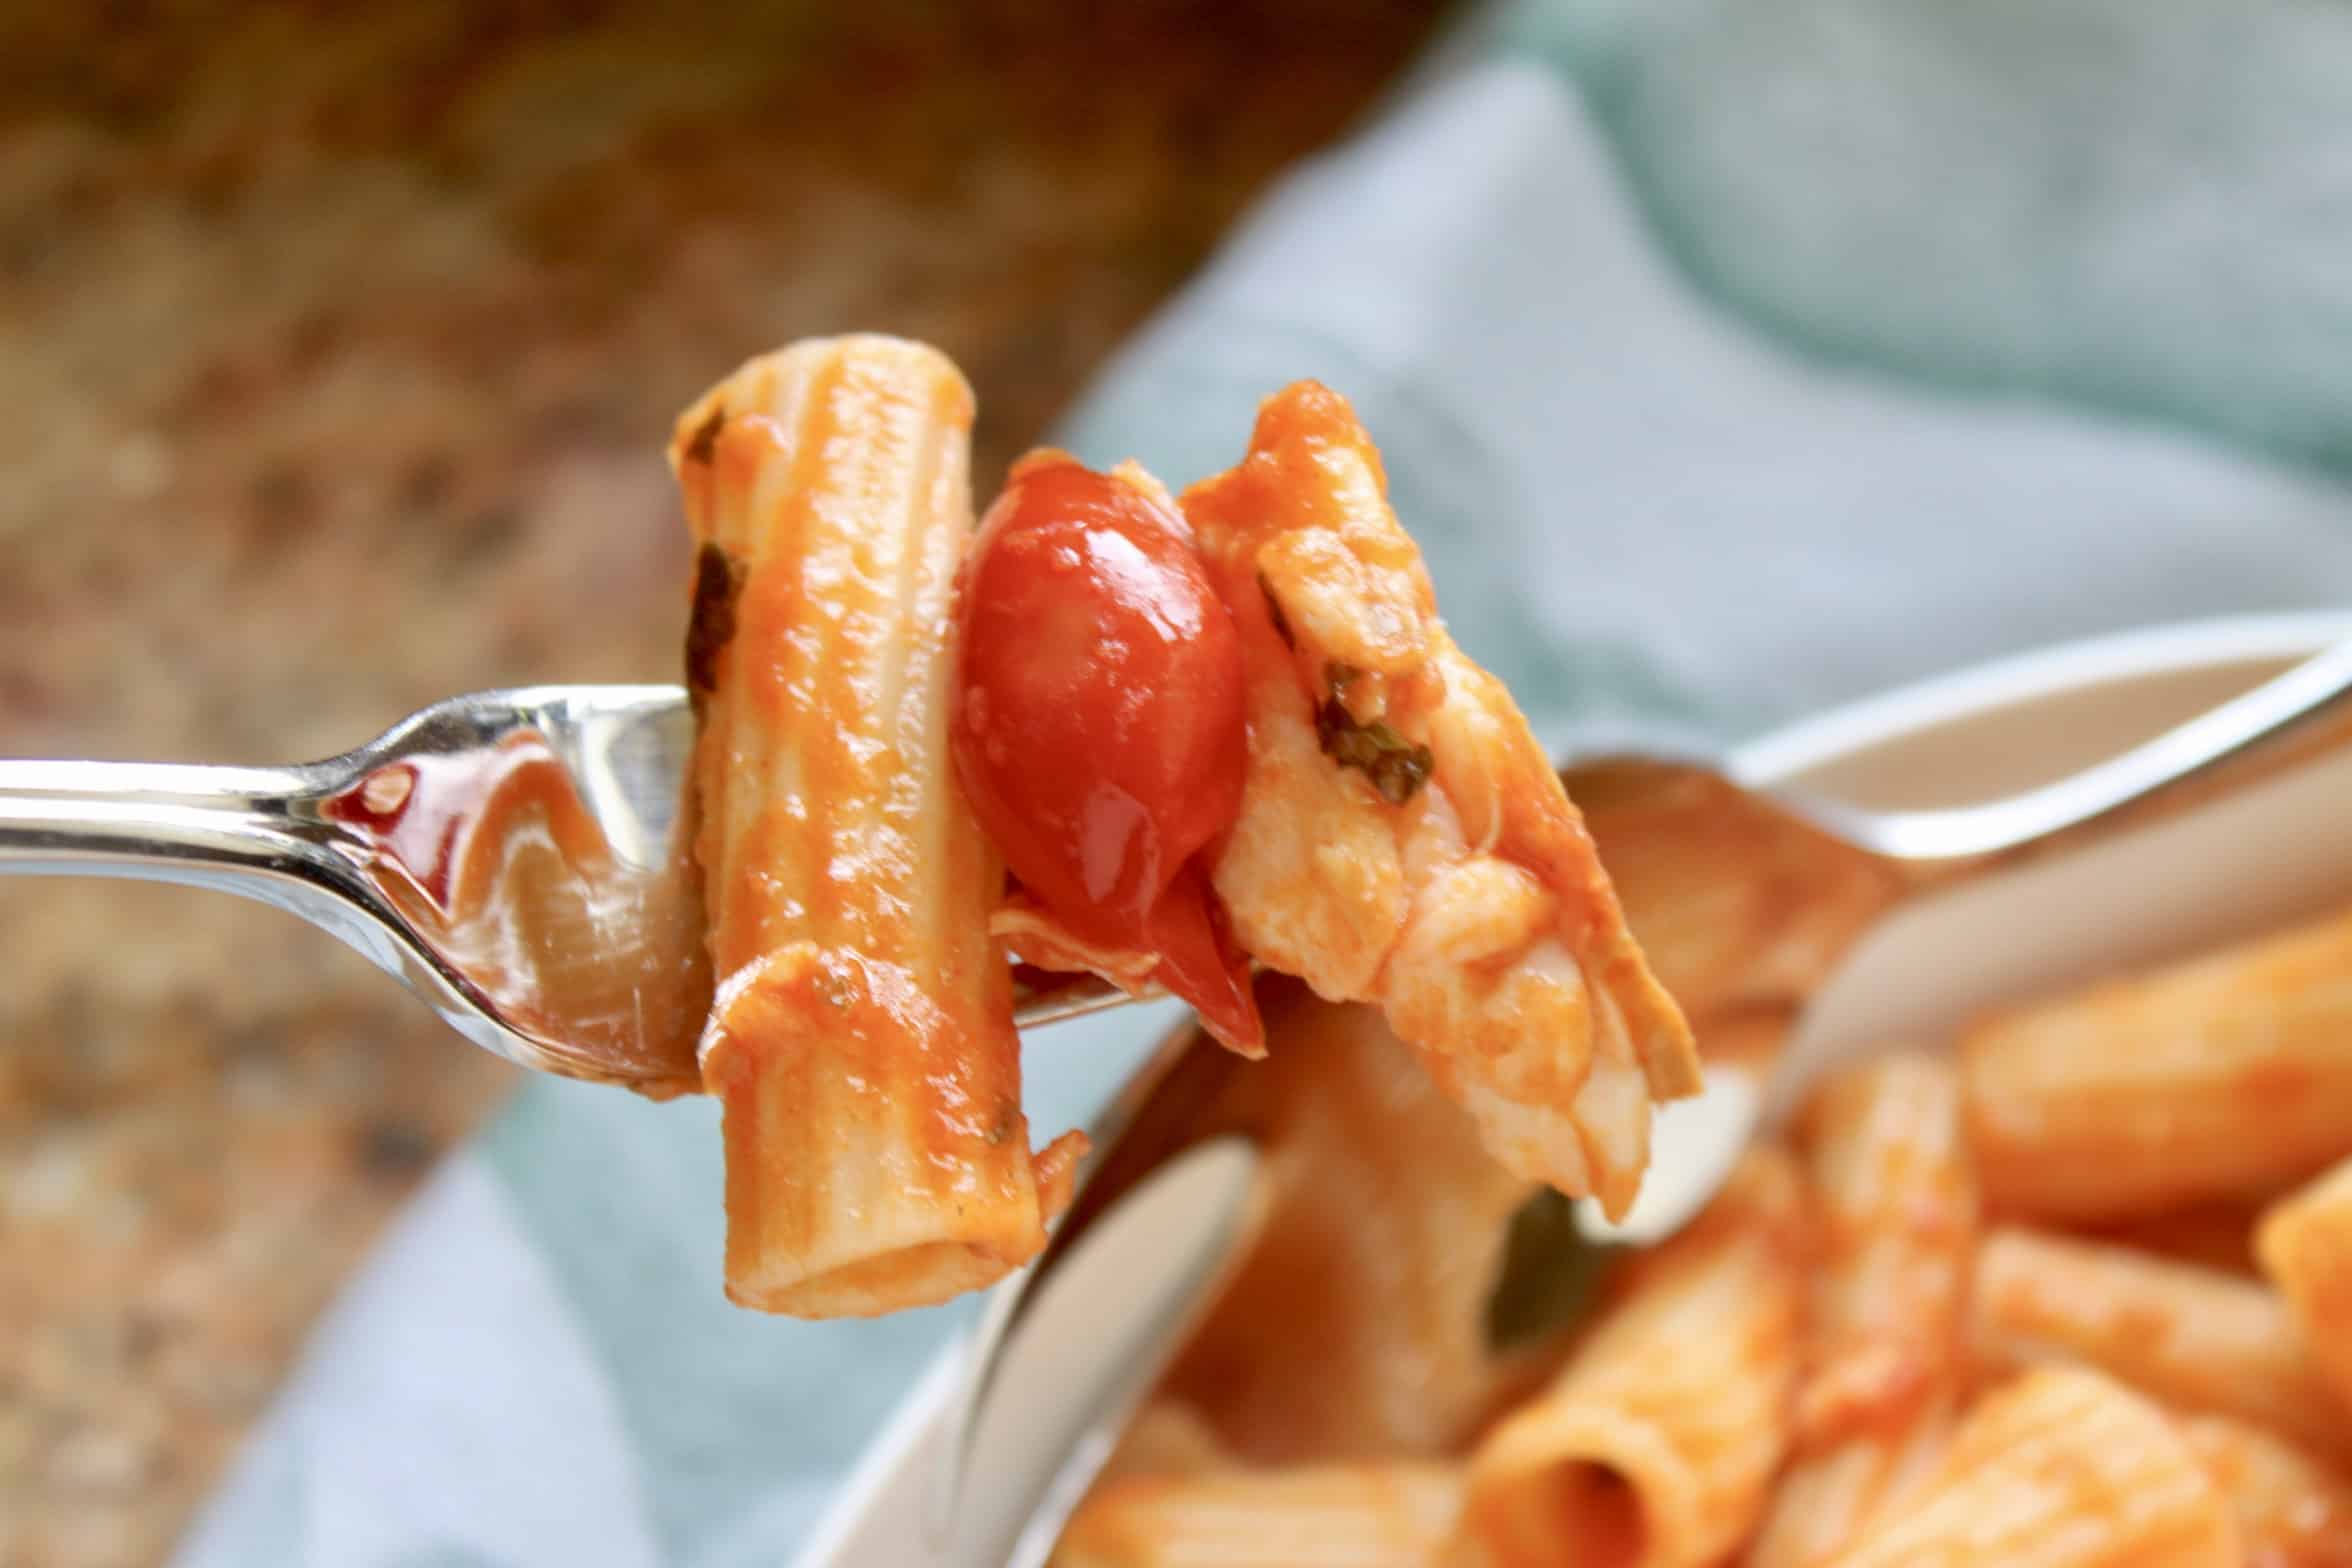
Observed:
{"x":2073,"y":1293}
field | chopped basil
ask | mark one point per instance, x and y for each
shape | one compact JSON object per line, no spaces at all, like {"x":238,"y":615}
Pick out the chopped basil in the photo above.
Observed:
{"x":1396,"y":767}
{"x":1550,"y":1275}
{"x":710,"y":626}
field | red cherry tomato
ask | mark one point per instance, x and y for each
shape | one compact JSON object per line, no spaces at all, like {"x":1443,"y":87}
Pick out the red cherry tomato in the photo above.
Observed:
{"x":1097,"y":724}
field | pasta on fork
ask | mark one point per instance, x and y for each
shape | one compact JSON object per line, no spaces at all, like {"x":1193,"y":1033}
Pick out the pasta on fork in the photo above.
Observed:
{"x":1402,"y":839}
{"x":1107,"y":730}
{"x":862,"y":1043}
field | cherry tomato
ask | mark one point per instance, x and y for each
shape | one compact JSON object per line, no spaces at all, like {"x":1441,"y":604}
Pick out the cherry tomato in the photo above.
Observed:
{"x":1097,"y":725}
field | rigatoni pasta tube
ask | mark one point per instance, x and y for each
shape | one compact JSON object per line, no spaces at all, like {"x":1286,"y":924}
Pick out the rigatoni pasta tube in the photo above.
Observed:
{"x":2198,"y":1338}
{"x":861,"y":1041}
{"x":1343,"y":1516}
{"x":1383,"y":1238}
{"x":1894,"y":1206}
{"x":2293,"y":1511}
{"x":2305,"y":1245}
{"x":1655,"y":1445}
{"x":2229,"y":1075}
{"x":2062,"y":1468}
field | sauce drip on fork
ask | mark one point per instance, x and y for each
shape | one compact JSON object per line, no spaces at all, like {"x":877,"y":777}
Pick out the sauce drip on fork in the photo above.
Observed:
{"x":493,"y":854}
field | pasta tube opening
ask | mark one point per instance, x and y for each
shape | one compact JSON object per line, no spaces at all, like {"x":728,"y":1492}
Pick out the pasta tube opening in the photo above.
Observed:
{"x":1588,"y":1507}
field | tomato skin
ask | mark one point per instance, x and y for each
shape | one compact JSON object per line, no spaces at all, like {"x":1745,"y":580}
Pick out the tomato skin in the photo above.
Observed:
{"x":1097,"y":722}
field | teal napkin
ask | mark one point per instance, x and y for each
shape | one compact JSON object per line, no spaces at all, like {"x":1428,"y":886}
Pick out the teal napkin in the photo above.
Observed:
{"x":1731,"y":358}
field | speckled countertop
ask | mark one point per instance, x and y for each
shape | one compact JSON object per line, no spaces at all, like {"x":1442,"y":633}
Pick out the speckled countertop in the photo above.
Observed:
{"x":334,"y":359}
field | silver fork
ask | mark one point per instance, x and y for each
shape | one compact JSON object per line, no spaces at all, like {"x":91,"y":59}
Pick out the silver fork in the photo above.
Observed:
{"x":599,"y":979}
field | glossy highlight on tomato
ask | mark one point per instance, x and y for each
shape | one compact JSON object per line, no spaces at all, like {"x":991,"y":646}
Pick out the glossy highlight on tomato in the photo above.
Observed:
{"x":1097,"y":726}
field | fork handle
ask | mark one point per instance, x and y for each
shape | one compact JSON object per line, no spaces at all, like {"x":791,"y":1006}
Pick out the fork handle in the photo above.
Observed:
{"x":255,"y":832}
{"x":2287,"y":719}
{"x":168,"y":820}
{"x":258,"y":833}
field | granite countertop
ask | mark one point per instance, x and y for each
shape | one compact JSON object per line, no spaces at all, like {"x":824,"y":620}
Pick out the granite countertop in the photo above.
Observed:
{"x":335,"y":358}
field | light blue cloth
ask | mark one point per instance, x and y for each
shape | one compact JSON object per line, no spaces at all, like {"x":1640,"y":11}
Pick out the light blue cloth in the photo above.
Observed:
{"x":1731,"y":358}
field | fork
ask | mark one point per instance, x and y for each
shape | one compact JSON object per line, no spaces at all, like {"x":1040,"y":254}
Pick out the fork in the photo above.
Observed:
{"x":508,"y":856}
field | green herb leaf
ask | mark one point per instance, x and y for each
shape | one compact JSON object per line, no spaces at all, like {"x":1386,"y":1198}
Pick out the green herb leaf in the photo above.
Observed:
{"x":710,"y":625}
{"x":1396,"y":767}
{"x":1550,"y":1276}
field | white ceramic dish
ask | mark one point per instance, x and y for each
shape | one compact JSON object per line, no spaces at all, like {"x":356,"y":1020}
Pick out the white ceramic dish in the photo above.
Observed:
{"x":2273,"y":853}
